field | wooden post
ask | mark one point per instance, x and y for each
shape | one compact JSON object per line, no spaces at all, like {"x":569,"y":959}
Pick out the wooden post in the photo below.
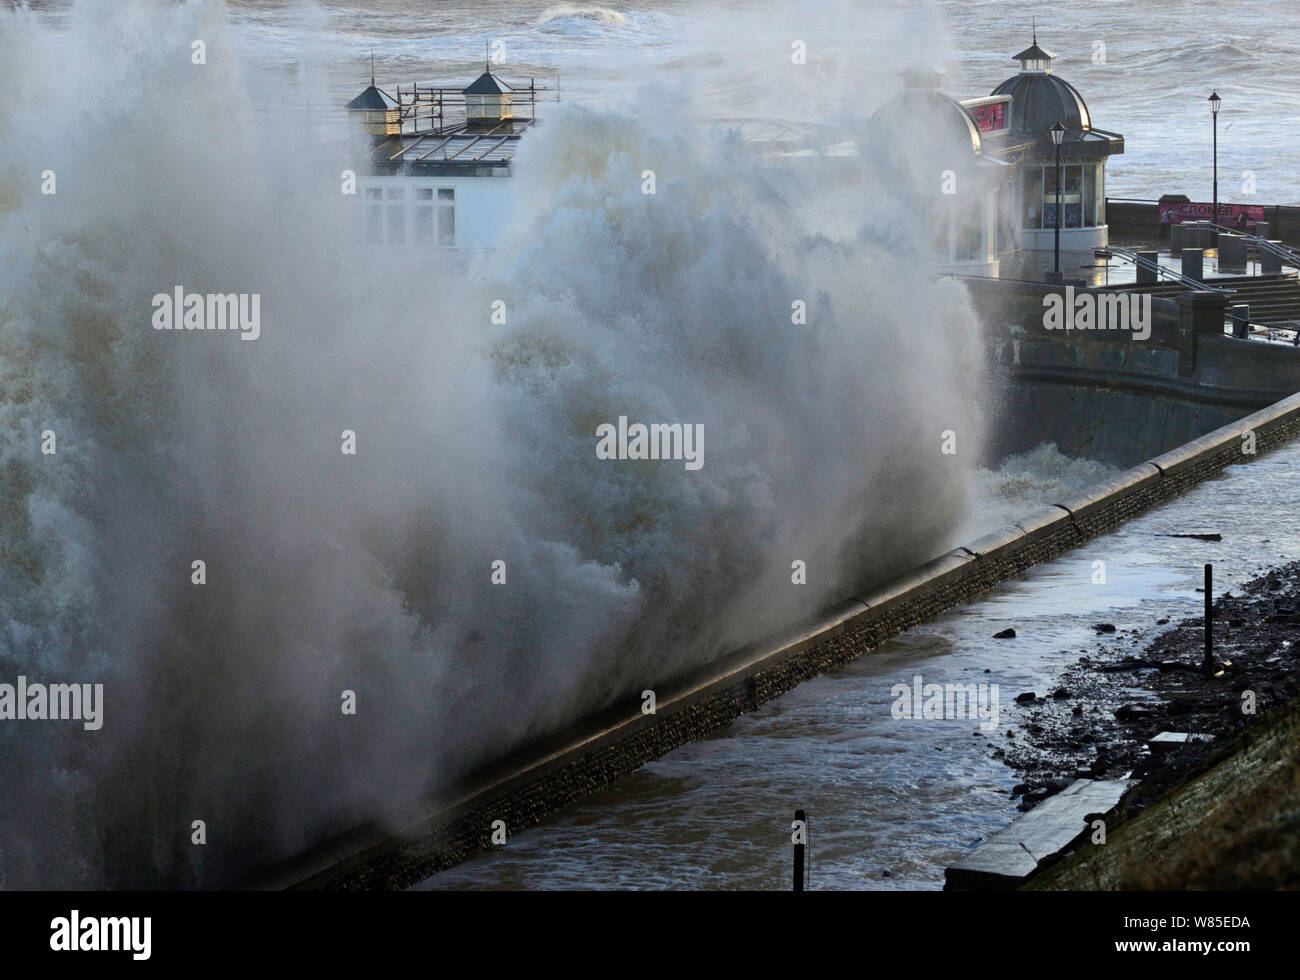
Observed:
{"x":1209,"y":613}
{"x":802,"y":819}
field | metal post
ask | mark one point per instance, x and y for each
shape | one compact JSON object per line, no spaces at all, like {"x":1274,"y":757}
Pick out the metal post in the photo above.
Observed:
{"x":802,"y":819}
{"x":1209,"y":613}
{"x":1215,"y":230}
{"x":1058,"y":210}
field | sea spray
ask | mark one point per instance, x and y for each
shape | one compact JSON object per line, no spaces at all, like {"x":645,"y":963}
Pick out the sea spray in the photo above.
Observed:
{"x":369,"y":573}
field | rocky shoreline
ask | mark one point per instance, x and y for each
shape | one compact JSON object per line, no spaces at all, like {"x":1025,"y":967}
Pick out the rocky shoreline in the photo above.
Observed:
{"x":1097,"y":721}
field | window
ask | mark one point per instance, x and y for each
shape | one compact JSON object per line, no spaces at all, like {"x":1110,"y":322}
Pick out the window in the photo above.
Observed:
{"x":1072,"y":195}
{"x":940,"y":218}
{"x":1033,"y":197}
{"x":446,"y":216}
{"x":424,"y":224}
{"x":424,"y":216}
{"x":969,"y":242}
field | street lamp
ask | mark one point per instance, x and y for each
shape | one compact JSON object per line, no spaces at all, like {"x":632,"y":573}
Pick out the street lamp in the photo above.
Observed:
{"x":1215,"y":102}
{"x":1058,"y":133}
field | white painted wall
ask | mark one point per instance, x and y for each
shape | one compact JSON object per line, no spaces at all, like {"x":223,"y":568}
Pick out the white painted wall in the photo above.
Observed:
{"x":483,"y":207}
{"x":1072,"y":239}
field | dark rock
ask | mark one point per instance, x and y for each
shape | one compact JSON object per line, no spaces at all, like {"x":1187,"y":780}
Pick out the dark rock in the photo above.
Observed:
{"x":1006,"y":634}
{"x":1134,"y":712}
{"x":1060,"y":694}
{"x":1026,"y":697}
{"x":1104,"y":627}
{"x":1128,"y":663}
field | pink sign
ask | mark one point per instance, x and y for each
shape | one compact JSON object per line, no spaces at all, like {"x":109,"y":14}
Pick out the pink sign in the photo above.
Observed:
{"x":1172,"y":213}
{"x":990,"y":118}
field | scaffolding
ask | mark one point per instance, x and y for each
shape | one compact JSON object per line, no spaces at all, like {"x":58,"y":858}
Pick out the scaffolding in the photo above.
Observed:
{"x":433,"y":110}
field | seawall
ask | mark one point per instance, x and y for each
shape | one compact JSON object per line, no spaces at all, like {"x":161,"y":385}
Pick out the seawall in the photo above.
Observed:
{"x":1108,"y":396}
{"x":522,"y":789}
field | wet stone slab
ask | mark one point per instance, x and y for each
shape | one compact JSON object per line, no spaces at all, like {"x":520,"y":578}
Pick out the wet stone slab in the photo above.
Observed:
{"x":1011,"y":855}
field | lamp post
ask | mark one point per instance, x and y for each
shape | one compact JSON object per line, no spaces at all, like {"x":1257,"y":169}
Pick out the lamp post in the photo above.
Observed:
{"x":1058,"y":133}
{"x":1215,"y":102}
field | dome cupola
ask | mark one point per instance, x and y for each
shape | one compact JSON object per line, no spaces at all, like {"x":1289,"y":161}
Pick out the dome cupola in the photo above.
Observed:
{"x":1039,"y":98}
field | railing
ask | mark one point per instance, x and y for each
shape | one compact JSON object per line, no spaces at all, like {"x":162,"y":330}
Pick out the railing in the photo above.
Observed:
{"x":1272,"y":333}
{"x":1288,"y":255}
{"x":1131,"y":200}
{"x":1144,"y":263}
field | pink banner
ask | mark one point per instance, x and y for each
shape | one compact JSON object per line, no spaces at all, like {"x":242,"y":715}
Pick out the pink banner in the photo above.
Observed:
{"x":1173,"y":213}
{"x":990,"y":118}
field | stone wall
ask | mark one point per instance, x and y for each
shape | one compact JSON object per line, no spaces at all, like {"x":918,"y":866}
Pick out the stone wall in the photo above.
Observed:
{"x":524,"y":789}
{"x":1139,"y":221}
{"x":1110,"y":397}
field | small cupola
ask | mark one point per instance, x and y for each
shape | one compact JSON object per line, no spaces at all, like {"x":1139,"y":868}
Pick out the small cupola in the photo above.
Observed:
{"x":1040,"y":98}
{"x":919,"y":77}
{"x":378,"y":111}
{"x":1034,"y":58}
{"x":488,"y":102}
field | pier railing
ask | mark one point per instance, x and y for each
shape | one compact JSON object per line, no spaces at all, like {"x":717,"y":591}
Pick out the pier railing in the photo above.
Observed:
{"x":1142,"y":262}
{"x":1287,"y":255}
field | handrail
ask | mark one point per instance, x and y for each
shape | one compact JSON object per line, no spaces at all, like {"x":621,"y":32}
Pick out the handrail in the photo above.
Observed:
{"x":1145,"y":263}
{"x":1271,"y":330}
{"x":1289,"y":255}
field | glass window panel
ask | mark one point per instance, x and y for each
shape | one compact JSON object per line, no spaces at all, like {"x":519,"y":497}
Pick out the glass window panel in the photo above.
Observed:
{"x":446,"y":225}
{"x":396,"y":224}
{"x":1090,"y":194}
{"x":1033,"y":197}
{"x":424,"y":225}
